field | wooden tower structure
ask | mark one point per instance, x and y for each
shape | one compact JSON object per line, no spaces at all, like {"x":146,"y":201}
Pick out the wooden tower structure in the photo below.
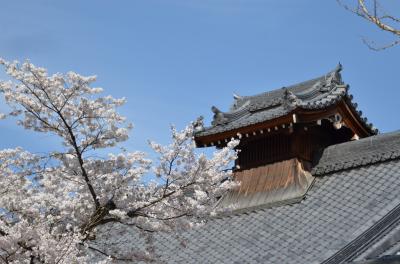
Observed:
{"x":282,"y":133}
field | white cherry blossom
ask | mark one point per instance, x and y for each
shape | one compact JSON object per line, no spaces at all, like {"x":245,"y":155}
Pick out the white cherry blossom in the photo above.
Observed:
{"x":53,"y":207}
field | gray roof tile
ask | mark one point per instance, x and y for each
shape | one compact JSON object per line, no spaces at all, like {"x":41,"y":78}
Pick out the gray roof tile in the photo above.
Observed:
{"x":317,"y":93}
{"x":359,"y":153}
{"x":341,"y":205}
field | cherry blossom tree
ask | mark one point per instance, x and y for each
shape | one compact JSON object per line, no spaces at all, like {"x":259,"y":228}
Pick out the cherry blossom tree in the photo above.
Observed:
{"x":54,"y":206}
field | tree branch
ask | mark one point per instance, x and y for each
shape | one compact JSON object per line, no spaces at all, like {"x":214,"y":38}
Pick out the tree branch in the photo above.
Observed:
{"x":134,"y":212}
{"x":113,"y":257}
{"x":80,"y":159}
{"x":375,"y":18}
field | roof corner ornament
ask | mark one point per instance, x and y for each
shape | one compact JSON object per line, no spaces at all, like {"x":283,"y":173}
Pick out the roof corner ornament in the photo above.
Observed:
{"x":339,"y":67}
{"x":335,"y":76}
{"x":236,"y":96}
{"x":290,"y":99}
{"x":332,"y":79}
{"x":198,"y":125}
{"x":219,"y":117}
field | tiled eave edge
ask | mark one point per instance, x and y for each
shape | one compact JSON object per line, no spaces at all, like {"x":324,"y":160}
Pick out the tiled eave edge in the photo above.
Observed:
{"x":283,"y":122}
{"x":317,"y":106}
{"x":358,"y":114}
{"x":348,"y":110}
{"x":254,"y":209}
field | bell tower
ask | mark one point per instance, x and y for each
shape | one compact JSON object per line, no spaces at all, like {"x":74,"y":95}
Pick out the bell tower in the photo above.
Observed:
{"x":282,"y":132}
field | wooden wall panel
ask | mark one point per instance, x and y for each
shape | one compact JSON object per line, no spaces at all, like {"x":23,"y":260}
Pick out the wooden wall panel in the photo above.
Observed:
{"x":302,"y":143}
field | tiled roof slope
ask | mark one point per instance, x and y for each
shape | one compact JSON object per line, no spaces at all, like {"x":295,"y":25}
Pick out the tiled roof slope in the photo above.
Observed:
{"x":317,"y":93}
{"x":338,"y":209}
{"x":340,"y":206}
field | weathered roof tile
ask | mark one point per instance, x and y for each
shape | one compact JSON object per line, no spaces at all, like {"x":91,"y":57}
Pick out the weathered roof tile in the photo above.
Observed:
{"x":341,"y":206}
{"x":250,"y":110}
{"x":358,"y":153}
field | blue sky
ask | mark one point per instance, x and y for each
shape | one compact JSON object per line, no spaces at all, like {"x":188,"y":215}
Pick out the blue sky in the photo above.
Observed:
{"x":174,"y":59}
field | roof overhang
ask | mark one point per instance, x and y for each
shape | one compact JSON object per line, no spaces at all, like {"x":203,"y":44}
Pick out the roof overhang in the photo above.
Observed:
{"x":343,"y":113}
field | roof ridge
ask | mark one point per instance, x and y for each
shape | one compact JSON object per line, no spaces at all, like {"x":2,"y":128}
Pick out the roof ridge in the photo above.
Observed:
{"x":338,"y":68}
{"x":282,"y":88}
{"x":352,"y":154}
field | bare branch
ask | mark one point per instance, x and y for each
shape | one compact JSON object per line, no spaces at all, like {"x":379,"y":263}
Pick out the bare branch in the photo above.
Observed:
{"x":372,"y":45}
{"x":114,"y":257}
{"x":375,"y":17}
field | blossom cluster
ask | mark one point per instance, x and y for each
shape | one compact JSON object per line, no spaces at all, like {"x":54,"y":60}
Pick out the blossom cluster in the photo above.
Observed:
{"x":54,"y":207}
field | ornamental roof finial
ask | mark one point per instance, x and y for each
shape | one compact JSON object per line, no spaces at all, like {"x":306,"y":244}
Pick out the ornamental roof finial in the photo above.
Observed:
{"x":339,"y":67}
{"x":236,"y":96}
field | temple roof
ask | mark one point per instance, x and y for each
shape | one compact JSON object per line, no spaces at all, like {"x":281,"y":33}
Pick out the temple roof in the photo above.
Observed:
{"x":318,"y":93}
{"x":351,"y":213}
